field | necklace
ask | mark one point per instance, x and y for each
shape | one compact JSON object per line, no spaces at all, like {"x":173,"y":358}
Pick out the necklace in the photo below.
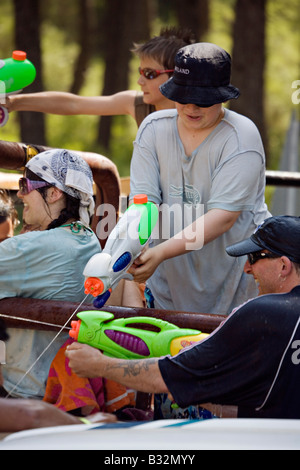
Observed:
{"x":75,"y":226}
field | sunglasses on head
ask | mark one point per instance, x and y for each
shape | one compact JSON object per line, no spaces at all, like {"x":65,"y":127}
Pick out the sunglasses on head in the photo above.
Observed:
{"x":150,"y":74}
{"x":26,"y":185}
{"x":257,"y":255}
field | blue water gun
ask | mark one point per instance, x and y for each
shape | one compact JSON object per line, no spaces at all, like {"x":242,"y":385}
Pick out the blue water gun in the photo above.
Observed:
{"x":125,"y":243}
{"x":16,"y":73}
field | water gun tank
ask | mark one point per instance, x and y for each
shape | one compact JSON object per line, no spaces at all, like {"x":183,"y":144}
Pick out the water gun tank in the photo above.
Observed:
{"x":125,"y":243}
{"x":16,"y":73}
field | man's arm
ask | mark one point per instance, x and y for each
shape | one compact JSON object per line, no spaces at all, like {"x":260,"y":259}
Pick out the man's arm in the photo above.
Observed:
{"x":19,"y":414}
{"x":142,"y":374}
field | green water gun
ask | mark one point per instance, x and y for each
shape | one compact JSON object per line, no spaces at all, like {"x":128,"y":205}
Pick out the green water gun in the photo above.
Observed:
{"x":131,"y":338}
{"x":16,"y":73}
{"x":125,"y":243}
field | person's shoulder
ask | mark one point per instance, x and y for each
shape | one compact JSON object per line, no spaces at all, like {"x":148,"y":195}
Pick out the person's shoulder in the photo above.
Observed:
{"x":272,"y":304}
{"x":24,"y":244}
{"x":157,"y":118}
{"x":244,"y":131}
{"x":161,"y":114}
{"x":239,"y":122}
{"x":42,"y":236}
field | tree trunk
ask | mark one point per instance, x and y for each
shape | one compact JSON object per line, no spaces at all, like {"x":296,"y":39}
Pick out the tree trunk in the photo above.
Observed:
{"x":27,"y":38}
{"x":84,"y":40}
{"x":248,"y":62}
{"x":193,"y":15}
{"x":123,"y":24}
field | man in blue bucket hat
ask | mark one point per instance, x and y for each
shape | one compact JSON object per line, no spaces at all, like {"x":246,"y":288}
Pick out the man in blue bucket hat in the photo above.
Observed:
{"x":201,"y":76}
{"x":208,"y":163}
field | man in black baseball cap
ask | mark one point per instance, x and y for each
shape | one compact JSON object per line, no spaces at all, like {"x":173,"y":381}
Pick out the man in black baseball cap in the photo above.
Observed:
{"x":252,"y":360}
{"x":280,"y":235}
{"x":277,"y":240}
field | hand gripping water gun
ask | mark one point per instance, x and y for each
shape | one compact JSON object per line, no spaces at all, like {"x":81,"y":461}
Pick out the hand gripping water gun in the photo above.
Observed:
{"x":119,"y":338}
{"x":125,"y":243}
{"x":15,"y":74}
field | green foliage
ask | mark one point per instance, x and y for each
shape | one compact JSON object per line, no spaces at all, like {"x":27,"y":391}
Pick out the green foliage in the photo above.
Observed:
{"x":6,"y":28}
{"x":59,"y":35}
{"x":282,"y":68}
{"x":221,"y":23}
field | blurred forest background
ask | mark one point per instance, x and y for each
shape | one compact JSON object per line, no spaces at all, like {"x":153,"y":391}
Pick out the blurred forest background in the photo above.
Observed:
{"x":83,"y":46}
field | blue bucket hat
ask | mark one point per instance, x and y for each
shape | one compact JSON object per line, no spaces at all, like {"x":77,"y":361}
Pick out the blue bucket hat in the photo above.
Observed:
{"x":201,"y":76}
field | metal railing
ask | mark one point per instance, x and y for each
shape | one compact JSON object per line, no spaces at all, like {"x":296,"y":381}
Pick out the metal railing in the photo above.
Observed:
{"x":283,"y":178}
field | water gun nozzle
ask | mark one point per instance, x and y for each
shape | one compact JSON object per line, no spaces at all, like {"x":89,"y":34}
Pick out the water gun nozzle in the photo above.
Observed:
{"x":93,"y":286}
{"x":74,"y":332}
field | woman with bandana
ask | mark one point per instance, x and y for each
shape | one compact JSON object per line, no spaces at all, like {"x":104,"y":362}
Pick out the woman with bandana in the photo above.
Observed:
{"x":46,"y":263}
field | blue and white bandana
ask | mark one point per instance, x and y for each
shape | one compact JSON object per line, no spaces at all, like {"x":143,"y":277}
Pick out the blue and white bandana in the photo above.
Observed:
{"x":70,"y":173}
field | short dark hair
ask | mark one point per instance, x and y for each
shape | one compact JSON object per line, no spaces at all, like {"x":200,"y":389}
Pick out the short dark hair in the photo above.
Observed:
{"x":297,"y":267}
{"x":3,"y":332}
{"x":163,"y":48}
{"x":7,"y":209}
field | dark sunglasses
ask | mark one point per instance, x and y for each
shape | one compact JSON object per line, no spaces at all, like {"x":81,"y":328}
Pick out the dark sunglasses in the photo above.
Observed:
{"x":196,"y":104}
{"x":150,"y":74}
{"x":257,"y":255}
{"x":26,"y":185}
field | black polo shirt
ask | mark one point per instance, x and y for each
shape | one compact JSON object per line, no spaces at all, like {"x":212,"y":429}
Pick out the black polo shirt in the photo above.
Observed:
{"x":251,"y":361}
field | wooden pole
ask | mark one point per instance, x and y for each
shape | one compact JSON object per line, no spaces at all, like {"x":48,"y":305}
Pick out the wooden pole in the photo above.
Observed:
{"x":57,"y":314}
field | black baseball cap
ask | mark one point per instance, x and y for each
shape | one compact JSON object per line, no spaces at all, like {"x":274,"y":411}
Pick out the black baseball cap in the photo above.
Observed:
{"x":280,"y":235}
{"x":201,"y":76}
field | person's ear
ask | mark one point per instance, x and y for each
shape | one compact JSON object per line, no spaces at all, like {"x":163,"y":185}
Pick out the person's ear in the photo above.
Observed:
{"x":54,"y":194}
{"x":286,"y":266}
